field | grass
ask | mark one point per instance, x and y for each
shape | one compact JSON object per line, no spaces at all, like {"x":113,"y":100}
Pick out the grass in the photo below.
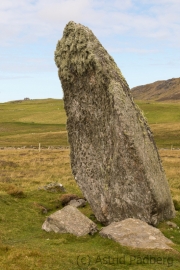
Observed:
{"x":164,"y":121}
{"x":23,"y":201}
{"x":45,"y":111}
{"x":160,"y":113}
{"x":23,"y":245}
{"x":28,"y":123}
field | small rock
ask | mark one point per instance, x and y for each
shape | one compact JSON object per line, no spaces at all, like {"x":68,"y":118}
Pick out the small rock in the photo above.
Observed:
{"x":69,"y":220}
{"x":137,"y":234}
{"x":171,"y":224}
{"x":77,"y":203}
{"x":54,"y":187}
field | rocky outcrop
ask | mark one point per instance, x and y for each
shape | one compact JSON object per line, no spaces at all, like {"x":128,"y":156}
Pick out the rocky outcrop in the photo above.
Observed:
{"x":137,"y":234}
{"x":114,"y":158}
{"x":69,"y":220}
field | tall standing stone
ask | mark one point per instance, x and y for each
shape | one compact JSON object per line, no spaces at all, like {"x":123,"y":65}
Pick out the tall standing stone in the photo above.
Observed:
{"x":113,"y":155}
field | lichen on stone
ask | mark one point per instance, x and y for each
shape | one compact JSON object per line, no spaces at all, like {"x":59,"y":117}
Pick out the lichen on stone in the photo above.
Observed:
{"x":75,"y":54}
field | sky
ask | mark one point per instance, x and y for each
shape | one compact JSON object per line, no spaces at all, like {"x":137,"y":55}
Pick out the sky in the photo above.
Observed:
{"x":143,"y":37}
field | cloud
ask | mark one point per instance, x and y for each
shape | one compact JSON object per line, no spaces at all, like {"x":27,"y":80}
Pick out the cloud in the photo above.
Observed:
{"x":24,"y":21}
{"x":131,"y":26}
{"x":112,"y":5}
{"x":55,"y":12}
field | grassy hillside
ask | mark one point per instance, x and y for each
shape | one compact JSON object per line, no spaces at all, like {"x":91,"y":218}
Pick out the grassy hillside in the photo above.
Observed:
{"x":161,"y":91}
{"x":31,"y":122}
{"x":164,"y":121}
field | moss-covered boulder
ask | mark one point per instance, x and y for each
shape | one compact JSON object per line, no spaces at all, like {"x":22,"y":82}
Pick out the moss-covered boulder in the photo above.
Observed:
{"x":113,"y":155}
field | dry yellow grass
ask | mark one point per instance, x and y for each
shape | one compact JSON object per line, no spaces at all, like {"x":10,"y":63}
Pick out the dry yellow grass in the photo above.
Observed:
{"x":30,"y":169}
{"x":171,"y":164}
{"x":166,"y":127}
{"x":26,"y":170}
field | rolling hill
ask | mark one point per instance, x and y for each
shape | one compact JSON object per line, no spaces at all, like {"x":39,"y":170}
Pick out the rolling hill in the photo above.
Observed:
{"x":161,"y":91}
{"x":30,"y":122}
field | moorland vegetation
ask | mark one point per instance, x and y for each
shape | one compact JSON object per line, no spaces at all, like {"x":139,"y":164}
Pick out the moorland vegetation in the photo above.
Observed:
{"x":24,"y":171}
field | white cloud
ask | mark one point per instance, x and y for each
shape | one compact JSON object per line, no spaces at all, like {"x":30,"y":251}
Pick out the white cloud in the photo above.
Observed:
{"x":56,"y":12}
{"x":25,"y":20}
{"x":132,"y":26}
{"x":112,"y":5}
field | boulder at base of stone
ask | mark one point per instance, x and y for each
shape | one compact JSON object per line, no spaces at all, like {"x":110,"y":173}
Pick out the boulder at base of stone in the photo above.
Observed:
{"x":69,"y":220}
{"x":137,"y":234}
{"x":78,"y":203}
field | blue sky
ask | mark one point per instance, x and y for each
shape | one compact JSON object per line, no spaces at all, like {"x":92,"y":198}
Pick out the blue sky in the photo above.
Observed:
{"x":143,"y":37}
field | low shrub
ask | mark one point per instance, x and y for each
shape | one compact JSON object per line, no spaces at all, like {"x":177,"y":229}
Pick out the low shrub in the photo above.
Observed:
{"x":15,"y":191}
{"x":66,"y":198}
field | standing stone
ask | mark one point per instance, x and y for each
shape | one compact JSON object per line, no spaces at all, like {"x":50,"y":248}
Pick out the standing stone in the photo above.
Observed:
{"x":113,"y":155}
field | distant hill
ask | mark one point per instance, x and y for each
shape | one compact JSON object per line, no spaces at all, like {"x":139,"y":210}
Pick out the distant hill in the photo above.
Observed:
{"x":168,"y":90}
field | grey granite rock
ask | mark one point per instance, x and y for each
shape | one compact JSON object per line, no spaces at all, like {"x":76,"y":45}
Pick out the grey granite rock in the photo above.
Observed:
{"x":114,"y":158}
{"x":78,"y":203}
{"x":172,"y":224}
{"x":137,"y":234}
{"x":69,"y":220}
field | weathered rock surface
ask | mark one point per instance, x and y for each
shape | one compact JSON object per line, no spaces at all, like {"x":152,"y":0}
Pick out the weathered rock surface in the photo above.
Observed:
{"x":137,"y":234}
{"x":78,"y":203}
{"x":69,"y":220}
{"x":113,"y":155}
